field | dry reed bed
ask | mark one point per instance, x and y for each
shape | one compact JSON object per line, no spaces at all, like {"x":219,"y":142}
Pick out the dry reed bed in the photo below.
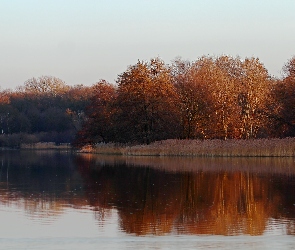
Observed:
{"x":45,"y":145}
{"x":205,"y":148}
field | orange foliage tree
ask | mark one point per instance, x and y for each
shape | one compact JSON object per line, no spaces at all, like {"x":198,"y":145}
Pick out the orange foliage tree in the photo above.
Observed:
{"x":213,"y":97}
{"x":99,"y":124}
{"x":284,"y":94}
{"x":193,"y":102}
{"x":254,"y":88}
{"x":146,"y":103}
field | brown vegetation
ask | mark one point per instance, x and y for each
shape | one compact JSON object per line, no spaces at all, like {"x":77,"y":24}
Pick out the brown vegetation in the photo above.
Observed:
{"x":207,"y":148}
{"x":210,"y":98}
{"x":46,"y":145}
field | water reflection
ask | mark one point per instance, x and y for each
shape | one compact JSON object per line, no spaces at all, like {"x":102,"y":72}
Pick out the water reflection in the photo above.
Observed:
{"x":223,"y":202}
{"x":156,"y":196}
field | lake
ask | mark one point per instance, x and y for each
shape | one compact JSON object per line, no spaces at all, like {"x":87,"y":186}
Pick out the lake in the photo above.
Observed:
{"x":60,"y":200}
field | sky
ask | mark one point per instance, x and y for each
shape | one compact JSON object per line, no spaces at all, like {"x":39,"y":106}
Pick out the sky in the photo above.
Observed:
{"x":83,"y":41}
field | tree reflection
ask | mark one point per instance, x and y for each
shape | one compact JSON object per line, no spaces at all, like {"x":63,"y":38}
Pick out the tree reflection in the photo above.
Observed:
{"x":41,"y":182}
{"x":149,"y":200}
{"x":226,"y":203}
{"x":158,"y":202}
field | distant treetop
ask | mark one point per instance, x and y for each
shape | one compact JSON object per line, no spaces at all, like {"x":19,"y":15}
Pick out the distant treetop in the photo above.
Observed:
{"x":45,"y":85}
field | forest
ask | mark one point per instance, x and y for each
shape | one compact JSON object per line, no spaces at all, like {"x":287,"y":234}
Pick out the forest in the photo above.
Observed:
{"x":45,"y":109}
{"x":220,"y":97}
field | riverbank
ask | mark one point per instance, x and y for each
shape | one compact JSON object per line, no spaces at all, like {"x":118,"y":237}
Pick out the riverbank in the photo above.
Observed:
{"x":205,"y":148}
{"x":46,"y":145}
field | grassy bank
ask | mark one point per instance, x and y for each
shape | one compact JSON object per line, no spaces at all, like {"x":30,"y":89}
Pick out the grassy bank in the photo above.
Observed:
{"x":45,"y":145}
{"x":208,"y":148}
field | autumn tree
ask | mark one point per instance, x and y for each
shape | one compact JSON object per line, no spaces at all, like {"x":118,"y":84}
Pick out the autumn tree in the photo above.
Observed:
{"x":78,"y":97}
{"x":224,"y":94}
{"x":289,"y":70}
{"x":146,"y":102}
{"x":4,"y":97}
{"x":193,"y":102}
{"x":284,"y":95}
{"x":75,"y":101}
{"x":207,"y":94}
{"x":216,"y":78}
{"x":254,"y":91}
{"x":99,"y":125}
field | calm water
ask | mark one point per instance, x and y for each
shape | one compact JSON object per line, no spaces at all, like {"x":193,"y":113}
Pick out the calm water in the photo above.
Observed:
{"x":55,"y":200}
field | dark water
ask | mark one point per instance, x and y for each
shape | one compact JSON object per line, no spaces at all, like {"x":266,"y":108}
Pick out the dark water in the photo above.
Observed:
{"x":56,"y":200}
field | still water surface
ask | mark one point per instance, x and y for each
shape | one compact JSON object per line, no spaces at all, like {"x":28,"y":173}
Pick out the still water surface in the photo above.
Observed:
{"x":57,"y":200}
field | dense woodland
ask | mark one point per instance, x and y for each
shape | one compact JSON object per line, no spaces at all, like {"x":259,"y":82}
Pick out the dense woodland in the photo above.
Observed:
{"x":213,"y":97}
{"x":45,"y":109}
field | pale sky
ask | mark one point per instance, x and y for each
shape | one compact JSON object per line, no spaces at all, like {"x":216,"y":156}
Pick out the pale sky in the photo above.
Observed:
{"x":83,"y":41}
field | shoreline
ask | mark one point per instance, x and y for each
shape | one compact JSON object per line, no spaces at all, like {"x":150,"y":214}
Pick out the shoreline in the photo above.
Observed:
{"x":45,"y":146}
{"x":201,"y":148}
{"x":182,"y":148}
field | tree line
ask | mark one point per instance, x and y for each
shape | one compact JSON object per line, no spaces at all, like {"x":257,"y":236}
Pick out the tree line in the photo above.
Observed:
{"x":210,"y":98}
{"x":44,"y":109}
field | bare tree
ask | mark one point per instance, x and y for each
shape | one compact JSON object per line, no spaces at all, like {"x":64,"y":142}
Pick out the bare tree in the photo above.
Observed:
{"x":45,"y":85}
